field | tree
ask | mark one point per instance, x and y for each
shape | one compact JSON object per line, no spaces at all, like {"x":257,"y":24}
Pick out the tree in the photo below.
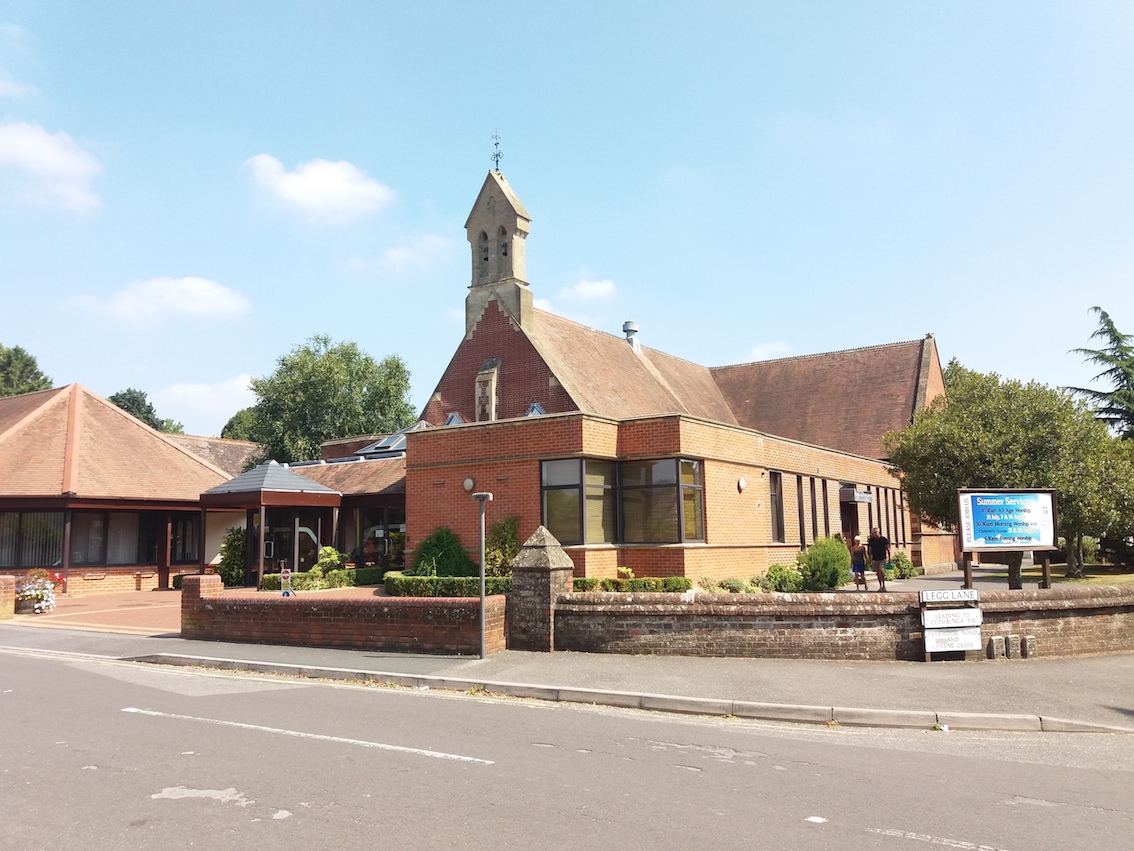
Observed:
{"x":322,"y":391}
{"x":19,"y":372}
{"x":136,"y":403}
{"x":240,"y":425}
{"x":1115,"y":406}
{"x":1005,"y":434}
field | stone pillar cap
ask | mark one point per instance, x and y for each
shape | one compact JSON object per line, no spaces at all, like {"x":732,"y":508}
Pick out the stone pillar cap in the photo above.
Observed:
{"x":542,"y":550}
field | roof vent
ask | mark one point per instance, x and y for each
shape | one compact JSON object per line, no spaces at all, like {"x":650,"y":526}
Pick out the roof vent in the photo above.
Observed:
{"x":630,"y":329}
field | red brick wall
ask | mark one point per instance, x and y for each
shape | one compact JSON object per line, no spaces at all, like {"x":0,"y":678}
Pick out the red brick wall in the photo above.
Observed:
{"x":1064,"y":621}
{"x":503,"y":457}
{"x":92,"y":580}
{"x":523,"y":376}
{"x":7,"y":597}
{"x":418,"y":625}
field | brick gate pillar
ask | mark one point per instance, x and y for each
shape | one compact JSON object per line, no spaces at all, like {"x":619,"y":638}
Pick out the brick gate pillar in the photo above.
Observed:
{"x":540,"y":572}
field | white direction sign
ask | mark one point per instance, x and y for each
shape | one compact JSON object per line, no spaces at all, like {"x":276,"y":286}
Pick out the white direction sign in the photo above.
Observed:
{"x":943,"y":640}
{"x":950,"y":595}
{"x":937,"y":618}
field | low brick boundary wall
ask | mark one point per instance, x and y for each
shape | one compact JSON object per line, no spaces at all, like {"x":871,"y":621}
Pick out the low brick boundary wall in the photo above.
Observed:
{"x":445,"y":625}
{"x":7,"y":597}
{"x":1065,"y":622}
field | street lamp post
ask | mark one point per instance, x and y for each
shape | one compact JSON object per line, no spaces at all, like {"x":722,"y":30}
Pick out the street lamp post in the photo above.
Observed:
{"x":482,"y":497}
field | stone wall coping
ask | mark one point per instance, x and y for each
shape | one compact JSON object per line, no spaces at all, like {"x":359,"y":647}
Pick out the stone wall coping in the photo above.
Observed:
{"x":898,"y":602}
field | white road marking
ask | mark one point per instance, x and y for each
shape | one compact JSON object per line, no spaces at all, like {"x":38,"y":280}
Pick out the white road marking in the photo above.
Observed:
{"x":815,"y":819}
{"x":301,"y":735}
{"x":281,"y":814}
{"x":936,"y":840}
{"x":225,"y":796}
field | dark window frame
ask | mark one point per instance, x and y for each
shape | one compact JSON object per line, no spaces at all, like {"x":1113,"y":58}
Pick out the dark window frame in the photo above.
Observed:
{"x":776,"y":506}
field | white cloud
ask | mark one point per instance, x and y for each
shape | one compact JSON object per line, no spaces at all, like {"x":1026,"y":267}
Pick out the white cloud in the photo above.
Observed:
{"x":158,"y":297}
{"x":419,"y":253}
{"x":59,"y":169}
{"x":769,"y":351}
{"x":542,"y":304}
{"x":204,"y":408}
{"x":320,"y":188}
{"x":11,"y":89}
{"x":587,"y":290}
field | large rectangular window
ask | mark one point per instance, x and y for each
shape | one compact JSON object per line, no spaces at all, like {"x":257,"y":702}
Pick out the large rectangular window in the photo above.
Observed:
{"x":776,"y":504}
{"x":636,"y":502}
{"x":30,"y":539}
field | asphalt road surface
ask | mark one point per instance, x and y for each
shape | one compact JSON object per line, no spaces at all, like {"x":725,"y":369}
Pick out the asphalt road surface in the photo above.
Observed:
{"x":101,"y":754}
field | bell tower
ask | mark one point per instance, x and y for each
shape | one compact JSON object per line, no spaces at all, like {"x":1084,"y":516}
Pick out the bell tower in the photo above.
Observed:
{"x":497,"y":229}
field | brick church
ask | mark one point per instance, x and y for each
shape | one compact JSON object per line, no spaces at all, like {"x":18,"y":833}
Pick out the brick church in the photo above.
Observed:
{"x":633,"y":457}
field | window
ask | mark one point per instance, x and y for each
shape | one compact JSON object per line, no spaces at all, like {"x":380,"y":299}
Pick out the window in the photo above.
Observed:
{"x":814,"y":512}
{"x":799,"y":503}
{"x":826,"y":512}
{"x":776,"y":503}
{"x":31,"y":539}
{"x":634,"y":502}
{"x":184,"y":547}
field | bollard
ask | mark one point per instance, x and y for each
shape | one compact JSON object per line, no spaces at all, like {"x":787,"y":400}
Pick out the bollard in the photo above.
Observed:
{"x":1029,"y":647}
{"x":1012,"y":647}
{"x":996,"y":647}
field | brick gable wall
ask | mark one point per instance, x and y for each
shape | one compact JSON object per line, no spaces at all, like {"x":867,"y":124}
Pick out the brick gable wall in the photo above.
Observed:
{"x":523,"y":377}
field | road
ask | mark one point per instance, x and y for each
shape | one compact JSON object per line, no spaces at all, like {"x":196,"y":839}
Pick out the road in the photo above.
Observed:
{"x":105,"y":754}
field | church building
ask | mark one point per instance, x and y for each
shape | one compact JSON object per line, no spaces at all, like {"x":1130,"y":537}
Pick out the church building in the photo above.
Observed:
{"x":633,"y":457}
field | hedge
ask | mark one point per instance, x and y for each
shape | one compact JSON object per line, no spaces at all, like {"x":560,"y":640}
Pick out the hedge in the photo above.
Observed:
{"x":342,"y":578}
{"x":400,"y":585}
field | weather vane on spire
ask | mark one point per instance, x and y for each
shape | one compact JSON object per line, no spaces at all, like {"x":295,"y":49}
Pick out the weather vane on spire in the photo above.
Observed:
{"x":496,"y":156}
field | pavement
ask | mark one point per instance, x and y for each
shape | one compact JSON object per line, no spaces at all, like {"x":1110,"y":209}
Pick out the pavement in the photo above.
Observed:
{"x":1084,"y":694}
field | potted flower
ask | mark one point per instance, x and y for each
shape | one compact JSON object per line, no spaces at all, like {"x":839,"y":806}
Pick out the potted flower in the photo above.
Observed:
{"x":36,"y":594}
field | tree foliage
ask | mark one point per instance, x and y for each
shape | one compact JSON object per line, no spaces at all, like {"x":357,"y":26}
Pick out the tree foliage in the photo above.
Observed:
{"x":321,"y":391}
{"x":1115,"y":407}
{"x":240,"y":425}
{"x":19,"y":372}
{"x":994,"y":433}
{"x":137,"y":404}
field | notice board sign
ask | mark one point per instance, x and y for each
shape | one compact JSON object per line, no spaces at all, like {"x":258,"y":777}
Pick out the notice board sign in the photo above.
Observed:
{"x":1007,"y":520}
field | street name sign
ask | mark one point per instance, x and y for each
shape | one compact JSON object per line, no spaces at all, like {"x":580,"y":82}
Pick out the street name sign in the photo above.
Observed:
{"x":950,"y":595}
{"x":939,"y":618}
{"x":946,"y":640}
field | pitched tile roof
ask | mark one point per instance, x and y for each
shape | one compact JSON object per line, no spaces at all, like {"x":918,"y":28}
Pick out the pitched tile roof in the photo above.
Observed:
{"x":385,"y":476}
{"x":604,"y":375}
{"x":229,"y":455}
{"x":843,"y":400}
{"x":70,"y":442}
{"x":271,"y":476}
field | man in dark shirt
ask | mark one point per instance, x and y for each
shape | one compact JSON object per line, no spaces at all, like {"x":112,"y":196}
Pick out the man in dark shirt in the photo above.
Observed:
{"x":879,"y":547}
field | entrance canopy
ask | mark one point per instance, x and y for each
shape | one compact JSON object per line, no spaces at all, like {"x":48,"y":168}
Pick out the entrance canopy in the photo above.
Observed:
{"x":271,"y":484}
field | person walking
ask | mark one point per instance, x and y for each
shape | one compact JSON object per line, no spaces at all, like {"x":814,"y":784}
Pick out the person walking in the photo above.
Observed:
{"x":858,"y":563}
{"x":879,"y":546}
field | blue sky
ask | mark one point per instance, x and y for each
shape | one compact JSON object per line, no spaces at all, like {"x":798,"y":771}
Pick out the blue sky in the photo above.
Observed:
{"x":190,"y":189}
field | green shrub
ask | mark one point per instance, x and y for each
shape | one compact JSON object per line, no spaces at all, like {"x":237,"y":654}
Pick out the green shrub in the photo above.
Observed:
{"x":785,"y":578}
{"x":366,"y":576}
{"x":231,"y":566}
{"x":707,"y":583}
{"x":339,"y":578}
{"x":271,"y":582}
{"x":676,"y":584}
{"x":584,"y":583}
{"x":903,"y":567}
{"x":625,"y":573}
{"x":644,"y":584}
{"x":177,"y":581}
{"x":501,"y":545}
{"x":825,"y":565}
{"x":399,"y":584}
{"x":734,"y":586}
{"x":441,"y":554}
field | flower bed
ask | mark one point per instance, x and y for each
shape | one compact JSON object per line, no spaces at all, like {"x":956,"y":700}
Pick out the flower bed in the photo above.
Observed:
{"x":35,"y":594}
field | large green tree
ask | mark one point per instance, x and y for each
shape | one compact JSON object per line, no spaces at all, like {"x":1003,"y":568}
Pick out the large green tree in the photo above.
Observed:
{"x":993,"y":433}
{"x":323,"y":390}
{"x":1116,"y":405}
{"x":136,"y":403}
{"x":19,"y":372}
